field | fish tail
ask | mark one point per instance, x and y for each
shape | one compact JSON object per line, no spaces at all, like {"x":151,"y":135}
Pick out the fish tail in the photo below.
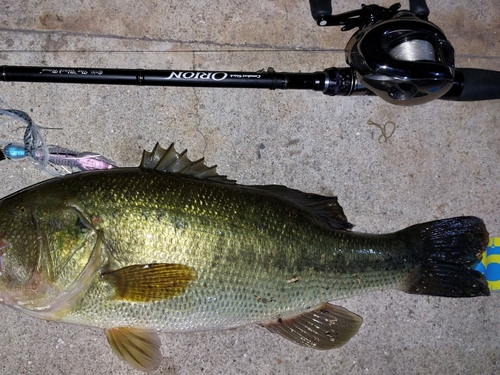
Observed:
{"x":446,"y":250}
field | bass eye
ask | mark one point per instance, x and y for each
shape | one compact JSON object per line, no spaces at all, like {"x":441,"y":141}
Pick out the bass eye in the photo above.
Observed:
{"x":81,"y":225}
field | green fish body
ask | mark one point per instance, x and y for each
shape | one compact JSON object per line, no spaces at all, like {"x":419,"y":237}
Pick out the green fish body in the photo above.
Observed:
{"x":172,"y":246}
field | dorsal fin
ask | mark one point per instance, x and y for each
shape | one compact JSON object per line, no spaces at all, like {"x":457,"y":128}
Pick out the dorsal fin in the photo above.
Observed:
{"x":171,"y":161}
{"x":323,"y":211}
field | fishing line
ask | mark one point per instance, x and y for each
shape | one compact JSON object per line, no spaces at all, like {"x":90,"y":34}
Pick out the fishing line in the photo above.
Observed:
{"x":383,"y":129}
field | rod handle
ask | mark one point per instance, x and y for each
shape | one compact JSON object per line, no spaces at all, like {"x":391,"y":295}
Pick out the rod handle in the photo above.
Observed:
{"x":474,"y":84}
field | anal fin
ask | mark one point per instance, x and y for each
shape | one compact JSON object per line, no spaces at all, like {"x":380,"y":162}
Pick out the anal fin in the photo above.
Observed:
{"x":140,"y":348}
{"x":327,"y":327}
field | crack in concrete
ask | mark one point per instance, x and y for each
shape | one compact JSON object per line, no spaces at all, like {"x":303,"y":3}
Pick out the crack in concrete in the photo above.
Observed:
{"x":197,"y":110}
{"x":259,"y":46}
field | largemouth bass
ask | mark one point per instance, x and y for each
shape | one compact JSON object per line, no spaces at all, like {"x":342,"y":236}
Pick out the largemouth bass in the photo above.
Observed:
{"x":172,"y":246}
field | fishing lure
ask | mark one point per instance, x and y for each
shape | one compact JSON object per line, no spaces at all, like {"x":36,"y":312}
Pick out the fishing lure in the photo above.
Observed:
{"x":52,"y":159}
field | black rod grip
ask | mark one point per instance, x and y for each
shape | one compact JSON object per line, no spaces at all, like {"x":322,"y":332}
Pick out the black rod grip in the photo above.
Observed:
{"x":474,"y":84}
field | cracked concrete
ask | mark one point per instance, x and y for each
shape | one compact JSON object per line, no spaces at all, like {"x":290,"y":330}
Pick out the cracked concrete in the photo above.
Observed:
{"x":441,"y":161}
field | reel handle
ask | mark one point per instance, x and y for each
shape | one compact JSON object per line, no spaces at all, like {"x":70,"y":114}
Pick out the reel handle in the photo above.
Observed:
{"x":321,"y":11}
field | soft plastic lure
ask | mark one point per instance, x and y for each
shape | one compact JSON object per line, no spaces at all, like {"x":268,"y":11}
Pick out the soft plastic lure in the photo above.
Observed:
{"x":52,"y":159}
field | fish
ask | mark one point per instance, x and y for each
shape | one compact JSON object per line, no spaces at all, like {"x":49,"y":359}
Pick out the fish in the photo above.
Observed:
{"x":173,"y":246}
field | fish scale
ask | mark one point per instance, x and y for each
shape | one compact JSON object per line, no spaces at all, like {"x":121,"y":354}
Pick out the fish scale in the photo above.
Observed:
{"x":255,"y":257}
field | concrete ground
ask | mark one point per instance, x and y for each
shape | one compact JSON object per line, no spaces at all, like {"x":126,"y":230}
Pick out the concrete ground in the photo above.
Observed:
{"x":442,"y":160}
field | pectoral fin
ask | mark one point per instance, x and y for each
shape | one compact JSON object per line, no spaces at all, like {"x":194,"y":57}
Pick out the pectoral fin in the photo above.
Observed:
{"x":140,"y":348}
{"x":328,"y":327}
{"x":150,"y":282}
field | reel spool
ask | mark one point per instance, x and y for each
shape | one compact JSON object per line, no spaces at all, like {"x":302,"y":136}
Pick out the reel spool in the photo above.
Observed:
{"x":414,"y":50}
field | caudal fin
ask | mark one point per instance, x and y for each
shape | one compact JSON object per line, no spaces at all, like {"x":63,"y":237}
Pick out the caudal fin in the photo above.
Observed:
{"x":446,"y":250}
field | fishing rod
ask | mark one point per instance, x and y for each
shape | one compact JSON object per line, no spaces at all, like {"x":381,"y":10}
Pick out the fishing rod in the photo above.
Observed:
{"x":396,"y":54}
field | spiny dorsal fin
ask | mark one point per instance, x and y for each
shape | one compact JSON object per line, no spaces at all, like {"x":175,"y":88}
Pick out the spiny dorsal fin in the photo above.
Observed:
{"x":140,"y":348}
{"x":171,"y":161}
{"x":327,"y":327}
{"x":323,"y":211}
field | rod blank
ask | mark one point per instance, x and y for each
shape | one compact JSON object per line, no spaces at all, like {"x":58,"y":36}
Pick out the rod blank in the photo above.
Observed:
{"x":142,"y":77}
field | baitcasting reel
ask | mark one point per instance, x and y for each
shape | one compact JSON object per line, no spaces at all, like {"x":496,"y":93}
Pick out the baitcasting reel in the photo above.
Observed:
{"x":398,"y":55}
